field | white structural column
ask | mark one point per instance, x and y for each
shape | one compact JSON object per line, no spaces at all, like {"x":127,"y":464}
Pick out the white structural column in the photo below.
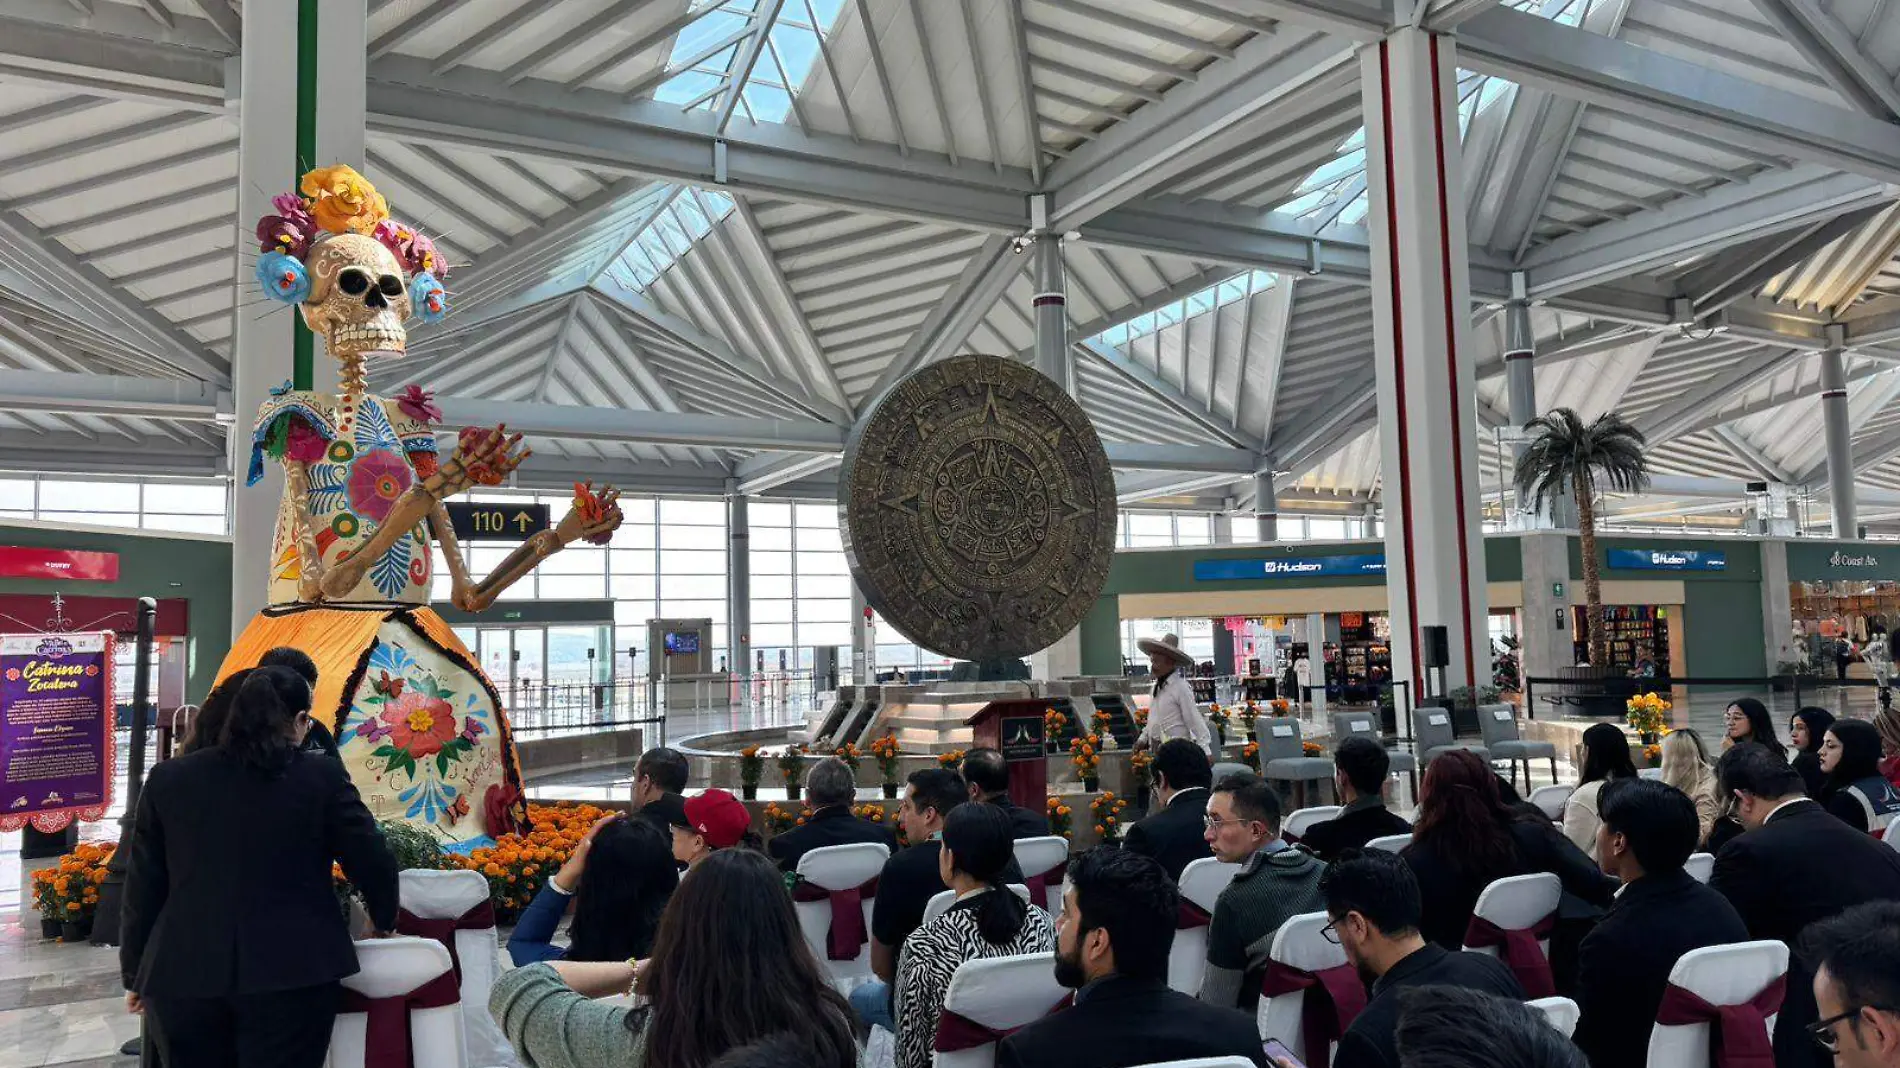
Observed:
{"x":261,"y":343}
{"x":1266,"y":510}
{"x":738,"y":581}
{"x":1840,"y":433}
{"x":1223,"y":528}
{"x":1050,"y":307}
{"x":861,"y":658}
{"x":1421,"y":300}
{"x":342,"y":88}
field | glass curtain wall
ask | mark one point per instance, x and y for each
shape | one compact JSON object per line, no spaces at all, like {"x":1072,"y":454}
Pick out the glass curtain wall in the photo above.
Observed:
{"x":191,"y":507}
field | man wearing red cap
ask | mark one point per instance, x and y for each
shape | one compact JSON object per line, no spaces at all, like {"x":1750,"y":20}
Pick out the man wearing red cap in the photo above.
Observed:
{"x":706,"y":822}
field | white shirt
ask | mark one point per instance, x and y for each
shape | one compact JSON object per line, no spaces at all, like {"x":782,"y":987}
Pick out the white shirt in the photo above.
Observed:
{"x":1172,"y":714}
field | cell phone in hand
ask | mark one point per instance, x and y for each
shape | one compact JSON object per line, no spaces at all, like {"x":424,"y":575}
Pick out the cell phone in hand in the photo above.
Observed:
{"x":1279,"y":1056}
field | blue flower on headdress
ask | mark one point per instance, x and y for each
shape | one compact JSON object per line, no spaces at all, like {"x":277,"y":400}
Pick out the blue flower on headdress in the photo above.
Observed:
{"x":428,"y":298}
{"x":283,"y":278}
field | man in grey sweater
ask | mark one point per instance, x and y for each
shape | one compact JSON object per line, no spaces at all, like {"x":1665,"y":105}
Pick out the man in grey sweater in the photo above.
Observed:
{"x":1276,"y":881}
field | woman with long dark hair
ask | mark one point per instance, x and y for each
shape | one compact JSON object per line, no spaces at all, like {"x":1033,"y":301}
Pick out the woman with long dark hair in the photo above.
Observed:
{"x":618,"y":882}
{"x":1807,"y":729}
{"x":1606,"y":756}
{"x":987,"y":920}
{"x":207,"y":724}
{"x":729,"y":967}
{"x":1747,"y":720}
{"x":1855,"y":790}
{"x":1465,"y":838}
{"x":236,"y":959}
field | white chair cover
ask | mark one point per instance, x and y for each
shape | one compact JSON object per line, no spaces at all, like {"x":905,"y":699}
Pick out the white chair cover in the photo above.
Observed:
{"x":1203,"y":1062}
{"x":1391,"y":843}
{"x":941,"y":901}
{"x":1649,"y":773}
{"x":449,"y":895}
{"x":1550,"y":799}
{"x":392,"y":967}
{"x":839,"y":867}
{"x":1561,"y":1012}
{"x":1002,"y":994}
{"x":1041,"y":857}
{"x":1700,"y":866}
{"x":1893,"y":834}
{"x":1298,"y":944}
{"x":1297,"y":823}
{"x":1514,"y":904}
{"x":1201,"y":883}
{"x":1719,"y":975}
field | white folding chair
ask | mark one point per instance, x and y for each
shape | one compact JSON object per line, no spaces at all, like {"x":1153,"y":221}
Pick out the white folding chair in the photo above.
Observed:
{"x":1700,"y":866}
{"x":1893,"y":834}
{"x":997,"y":995}
{"x":1038,"y":858}
{"x":392,"y":968}
{"x":1561,"y":1012}
{"x":1517,"y":903}
{"x":1719,"y":975}
{"x":839,"y":867}
{"x":1550,"y":799}
{"x":462,"y":897}
{"x":941,"y":901}
{"x":1299,"y":943}
{"x":1297,"y":822}
{"x":1391,"y":843}
{"x":1201,"y":883}
{"x":1649,"y":773}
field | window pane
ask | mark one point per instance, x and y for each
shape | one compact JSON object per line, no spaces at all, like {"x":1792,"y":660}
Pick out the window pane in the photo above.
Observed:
{"x":57,"y":495}
{"x":695,"y":586}
{"x":184,"y":498}
{"x":762,"y":514}
{"x":636,"y":586}
{"x":572,"y":587}
{"x":813,"y":540}
{"x":824,"y":611}
{"x":685,"y":609}
{"x":1151,"y":525}
{"x":771,"y":587}
{"x":1193,"y":529}
{"x":817,"y":517}
{"x":771,"y":538}
{"x":634,"y":536}
{"x":771,"y":563}
{"x":836,"y":586}
{"x":16,"y":494}
{"x":189,"y":524}
{"x":810,"y":634}
{"x":771,"y":612}
{"x":770,"y":635}
{"x":634,"y":562}
{"x":633,"y":614}
{"x":691,"y":562}
{"x":97,"y":519}
{"x":637,"y":510}
{"x":700,"y":513}
{"x":822,"y":564}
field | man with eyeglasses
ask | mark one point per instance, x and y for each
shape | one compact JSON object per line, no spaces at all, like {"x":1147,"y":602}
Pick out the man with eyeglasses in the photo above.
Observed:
{"x":1856,"y":962}
{"x":1276,"y":881}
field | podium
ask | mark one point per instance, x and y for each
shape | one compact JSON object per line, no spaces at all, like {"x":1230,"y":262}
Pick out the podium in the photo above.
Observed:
{"x":1016,"y":729}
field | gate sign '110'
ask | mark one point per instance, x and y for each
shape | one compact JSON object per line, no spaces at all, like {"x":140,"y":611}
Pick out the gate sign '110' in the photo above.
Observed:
{"x":497,"y":522}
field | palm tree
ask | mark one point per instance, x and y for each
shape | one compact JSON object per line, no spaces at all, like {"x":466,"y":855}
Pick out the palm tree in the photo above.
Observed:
{"x":1566,"y":457}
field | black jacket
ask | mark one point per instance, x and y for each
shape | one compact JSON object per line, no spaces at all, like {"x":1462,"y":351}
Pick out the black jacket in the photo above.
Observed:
{"x":1809,"y":765}
{"x":1623,"y":965}
{"x":228,"y":889}
{"x":1372,"y":1040}
{"x":1023,"y":822}
{"x":1449,"y":895}
{"x":1174,"y":836}
{"x":1117,"y":1022}
{"x":1801,"y":866}
{"x":1361,"y":822}
{"x":830,"y":826}
{"x":663,"y":812}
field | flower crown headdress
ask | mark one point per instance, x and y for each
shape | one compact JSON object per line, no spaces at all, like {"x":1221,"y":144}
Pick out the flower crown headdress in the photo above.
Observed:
{"x":337,"y":200}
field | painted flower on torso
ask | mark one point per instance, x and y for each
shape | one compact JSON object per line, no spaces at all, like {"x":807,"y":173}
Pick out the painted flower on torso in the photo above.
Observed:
{"x":377,"y":479}
{"x":419,"y":724}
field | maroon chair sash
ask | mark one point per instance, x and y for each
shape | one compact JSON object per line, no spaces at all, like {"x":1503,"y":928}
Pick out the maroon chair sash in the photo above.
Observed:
{"x":1190,"y":916}
{"x":387,"y":1042}
{"x":479,"y":918}
{"x":847,"y":935}
{"x":957,"y":1032}
{"x":1739,"y":1037}
{"x":1038,"y":884}
{"x":1520,"y":951}
{"x":1333,"y":998}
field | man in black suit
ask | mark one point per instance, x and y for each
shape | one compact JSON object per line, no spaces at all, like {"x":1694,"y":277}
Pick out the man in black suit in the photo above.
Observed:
{"x":1794,"y":865}
{"x":1374,"y":903}
{"x":1855,"y":958}
{"x":1175,"y":835}
{"x":988,"y":777}
{"x":831,"y":788}
{"x":1359,"y":770}
{"x":1647,"y":832}
{"x":1112,"y":947}
{"x":659,"y":780}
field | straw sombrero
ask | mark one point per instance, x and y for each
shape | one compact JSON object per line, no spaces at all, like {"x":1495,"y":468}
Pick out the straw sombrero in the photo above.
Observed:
{"x":1167,"y":645}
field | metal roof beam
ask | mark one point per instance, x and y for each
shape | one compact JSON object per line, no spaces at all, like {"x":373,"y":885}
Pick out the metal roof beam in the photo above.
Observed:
{"x":962,"y":308}
{"x":646,"y":427}
{"x":756,"y":474}
{"x":1152,"y":383}
{"x":1834,"y":51}
{"x":1743,"y":271}
{"x":1748,"y":454}
{"x":107,"y":54}
{"x":1207,"y":459}
{"x":71,"y":393}
{"x":1671,"y":420}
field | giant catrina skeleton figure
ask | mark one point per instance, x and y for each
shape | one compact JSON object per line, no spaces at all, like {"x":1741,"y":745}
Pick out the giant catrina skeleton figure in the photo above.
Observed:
{"x":420,"y":727}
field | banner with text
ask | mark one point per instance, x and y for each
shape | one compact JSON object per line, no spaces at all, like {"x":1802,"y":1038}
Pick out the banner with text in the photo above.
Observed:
{"x":1667,"y":559}
{"x":1289,"y":567}
{"x":56,"y":759}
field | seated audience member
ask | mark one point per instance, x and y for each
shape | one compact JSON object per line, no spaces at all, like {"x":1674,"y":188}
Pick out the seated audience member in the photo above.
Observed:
{"x":1606,"y":757}
{"x":659,"y":786}
{"x":618,"y":881}
{"x":1855,"y":958}
{"x":207,"y":724}
{"x":1795,"y":865}
{"x":709,"y":821}
{"x":729,"y":967}
{"x":1747,"y":720}
{"x":1359,"y":770}
{"x":778,"y":1051}
{"x":1685,"y":766}
{"x":1175,"y":834}
{"x":239,"y":963}
{"x":1855,"y":791}
{"x":1465,"y":839}
{"x":1807,"y":729}
{"x":1887,"y":722}
{"x":1374,"y":905}
{"x":987,"y":776}
{"x":988,"y":920}
{"x":1275,"y":881}
{"x":1436,"y":1031}
{"x":1647,"y":832}
{"x":830,"y":788}
{"x":1112,"y":944}
{"x":320,"y":739}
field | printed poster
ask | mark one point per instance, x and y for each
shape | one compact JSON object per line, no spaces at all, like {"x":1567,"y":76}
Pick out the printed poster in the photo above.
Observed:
{"x":56,"y":758}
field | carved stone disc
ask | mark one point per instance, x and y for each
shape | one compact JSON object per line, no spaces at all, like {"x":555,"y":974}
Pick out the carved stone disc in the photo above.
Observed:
{"x":978,"y":509}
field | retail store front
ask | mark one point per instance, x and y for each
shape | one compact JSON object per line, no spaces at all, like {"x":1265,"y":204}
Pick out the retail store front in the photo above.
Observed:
{"x":1842,"y":597}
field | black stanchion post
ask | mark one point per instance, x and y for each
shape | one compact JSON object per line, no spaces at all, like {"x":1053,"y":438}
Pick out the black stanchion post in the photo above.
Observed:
{"x":105,"y":924}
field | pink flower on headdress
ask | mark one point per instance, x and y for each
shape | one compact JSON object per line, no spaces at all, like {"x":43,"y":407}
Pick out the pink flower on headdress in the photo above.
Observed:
{"x":419,"y":404}
{"x":276,"y":233}
{"x":304,"y":444}
{"x":416,"y":251}
{"x":291,"y":206}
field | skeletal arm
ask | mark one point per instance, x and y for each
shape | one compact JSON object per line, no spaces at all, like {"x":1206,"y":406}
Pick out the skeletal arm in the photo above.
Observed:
{"x":309,"y":560}
{"x":580,"y":522}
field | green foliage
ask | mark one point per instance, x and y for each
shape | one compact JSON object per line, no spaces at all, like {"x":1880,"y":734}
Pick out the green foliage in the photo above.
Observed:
{"x":1563,"y":453}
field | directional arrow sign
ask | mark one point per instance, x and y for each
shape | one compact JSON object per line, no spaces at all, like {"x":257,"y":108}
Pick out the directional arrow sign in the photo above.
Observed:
{"x":497,"y":522}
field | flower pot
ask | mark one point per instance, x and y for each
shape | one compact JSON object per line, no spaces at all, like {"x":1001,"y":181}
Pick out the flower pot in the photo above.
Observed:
{"x":749,"y":791}
{"x":1251,"y":736}
{"x":49,"y":928}
{"x":1090,"y":783}
{"x":1651,"y":738}
{"x":890,"y":791}
{"x":75,"y":931}
{"x":1220,"y":737}
{"x":791,"y":792}
{"x":1141,"y":797}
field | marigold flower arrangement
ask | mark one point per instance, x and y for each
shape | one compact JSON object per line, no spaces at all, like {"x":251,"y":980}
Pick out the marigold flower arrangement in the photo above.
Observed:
{"x":777,"y":819}
{"x":68,"y":892}
{"x":1312,"y":749}
{"x":1647,"y":713}
{"x":1060,"y":817}
{"x":804,"y":815}
{"x":1140,"y":716}
{"x":1250,"y":755}
{"x":1248,"y":713}
{"x":870,"y":811}
{"x":1107,"y":811}
{"x":951,"y":760}
{"x":1218,"y":716}
{"x":885,"y":751}
{"x":1054,"y":722}
{"x":1652,"y":756}
{"x":1141,"y":762}
{"x":1281,"y":706}
{"x":517,"y":865}
{"x":751,"y":766}
{"x":850,"y":754}
{"x":791,"y":763}
{"x":1085,"y":753}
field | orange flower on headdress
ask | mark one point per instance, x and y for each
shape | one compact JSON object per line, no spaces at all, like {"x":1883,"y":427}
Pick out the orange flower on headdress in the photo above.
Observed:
{"x":342,"y":201}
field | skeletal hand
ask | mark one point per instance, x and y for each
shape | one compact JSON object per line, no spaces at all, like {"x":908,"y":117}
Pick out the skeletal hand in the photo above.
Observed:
{"x":481,"y":457}
{"x":593,"y":517}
